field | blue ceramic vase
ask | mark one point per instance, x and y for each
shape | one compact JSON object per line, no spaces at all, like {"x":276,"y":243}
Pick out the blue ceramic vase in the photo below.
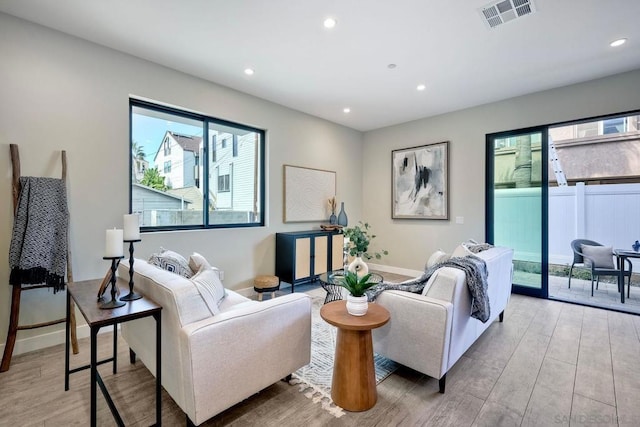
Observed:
{"x":342,"y":216}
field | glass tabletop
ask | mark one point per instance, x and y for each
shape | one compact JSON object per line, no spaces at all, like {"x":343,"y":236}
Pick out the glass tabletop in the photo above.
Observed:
{"x":334,"y":277}
{"x":331,"y":282}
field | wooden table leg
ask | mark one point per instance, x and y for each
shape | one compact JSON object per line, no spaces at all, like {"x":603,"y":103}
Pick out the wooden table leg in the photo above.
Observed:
{"x":353,"y":386}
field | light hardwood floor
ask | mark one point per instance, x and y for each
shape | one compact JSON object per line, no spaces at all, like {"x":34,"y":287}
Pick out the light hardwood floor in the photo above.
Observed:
{"x":549,"y":363}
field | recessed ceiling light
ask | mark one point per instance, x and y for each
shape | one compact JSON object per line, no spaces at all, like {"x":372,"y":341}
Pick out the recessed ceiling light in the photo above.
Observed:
{"x":329,"y":23}
{"x":421,"y":87}
{"x":618,"y":42}
{"x":248,"y":71}
{"x":346,"y":110}
{"x":391,"y":66}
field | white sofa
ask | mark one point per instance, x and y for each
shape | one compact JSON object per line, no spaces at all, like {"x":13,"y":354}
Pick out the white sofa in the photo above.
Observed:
{"x":429,"y":333}
{"x":210,"y":363}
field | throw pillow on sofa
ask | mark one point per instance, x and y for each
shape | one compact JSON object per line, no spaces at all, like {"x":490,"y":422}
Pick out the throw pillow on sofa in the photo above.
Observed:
{"x":602,"y":256}
{"x":197,"y":261}
{"x":461,"y":251}
{"x":210,"y":288}
{"x":171,"y":261}
{"x":436,"y":258}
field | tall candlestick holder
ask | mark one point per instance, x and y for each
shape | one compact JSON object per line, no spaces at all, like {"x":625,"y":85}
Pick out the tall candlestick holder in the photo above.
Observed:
{"x":114,"y":303}
{"x":131,"y":296}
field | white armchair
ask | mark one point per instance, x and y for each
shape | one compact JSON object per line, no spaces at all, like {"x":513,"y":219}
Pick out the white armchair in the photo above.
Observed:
{"x":430,"y":332}
{"x":211,"y":362}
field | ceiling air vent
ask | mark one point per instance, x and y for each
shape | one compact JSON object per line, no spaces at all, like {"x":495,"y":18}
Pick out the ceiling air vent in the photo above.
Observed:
{"x":501,"y":11}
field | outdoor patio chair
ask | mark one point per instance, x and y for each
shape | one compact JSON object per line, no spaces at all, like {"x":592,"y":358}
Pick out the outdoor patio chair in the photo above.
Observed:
{"x":596,"y":271}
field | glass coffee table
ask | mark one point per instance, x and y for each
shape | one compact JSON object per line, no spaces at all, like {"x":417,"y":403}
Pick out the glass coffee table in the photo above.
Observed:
{"x":330,"y":282}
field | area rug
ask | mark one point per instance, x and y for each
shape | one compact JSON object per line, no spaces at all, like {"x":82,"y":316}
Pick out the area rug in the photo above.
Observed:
{"x":314,"y":379}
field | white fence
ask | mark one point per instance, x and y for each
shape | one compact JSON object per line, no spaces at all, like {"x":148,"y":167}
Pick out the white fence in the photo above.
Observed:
{"x":608,"y":214}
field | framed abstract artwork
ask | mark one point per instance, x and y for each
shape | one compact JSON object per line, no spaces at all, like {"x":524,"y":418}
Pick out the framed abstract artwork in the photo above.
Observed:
{"x":420,"y":182}
{"x":306,"y":192}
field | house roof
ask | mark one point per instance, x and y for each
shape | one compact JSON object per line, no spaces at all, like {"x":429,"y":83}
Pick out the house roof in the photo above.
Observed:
{"x":188,"y":143}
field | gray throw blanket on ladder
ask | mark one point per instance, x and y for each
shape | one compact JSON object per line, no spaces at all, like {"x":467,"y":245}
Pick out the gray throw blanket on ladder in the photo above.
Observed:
{"x":38,"y":252}
{"x":476,"y":271}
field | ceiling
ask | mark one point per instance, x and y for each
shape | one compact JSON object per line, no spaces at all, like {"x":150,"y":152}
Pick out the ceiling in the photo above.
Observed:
{"x":443,"y":44}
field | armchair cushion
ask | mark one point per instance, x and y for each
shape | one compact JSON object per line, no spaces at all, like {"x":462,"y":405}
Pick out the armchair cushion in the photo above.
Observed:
{"x":602,"y":256}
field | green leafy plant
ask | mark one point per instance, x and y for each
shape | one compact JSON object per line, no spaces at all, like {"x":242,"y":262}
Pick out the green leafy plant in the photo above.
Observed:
{"x":354,"y":284}
{"x":360,"y":237}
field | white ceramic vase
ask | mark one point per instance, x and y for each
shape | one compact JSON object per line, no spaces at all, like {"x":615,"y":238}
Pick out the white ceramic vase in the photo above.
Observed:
{"x":357,"y":306}
{"x":358,"y":266}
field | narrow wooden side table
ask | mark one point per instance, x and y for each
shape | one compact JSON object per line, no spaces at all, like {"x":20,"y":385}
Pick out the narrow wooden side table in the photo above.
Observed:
{"x":353,"y":386}
{"x":84,"y":294}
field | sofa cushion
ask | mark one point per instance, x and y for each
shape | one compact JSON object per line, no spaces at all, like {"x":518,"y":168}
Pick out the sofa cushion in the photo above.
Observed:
{"x":602,"y":256}
{"x":210,"y":287}
{"x":178,"y":296}
{"x":443,"y":282}
{"x":171,"y":261}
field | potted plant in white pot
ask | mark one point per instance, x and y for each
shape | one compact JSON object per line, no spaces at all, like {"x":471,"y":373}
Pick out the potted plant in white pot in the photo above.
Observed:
{"x":357,"y":304}
{"x":359,"y":240}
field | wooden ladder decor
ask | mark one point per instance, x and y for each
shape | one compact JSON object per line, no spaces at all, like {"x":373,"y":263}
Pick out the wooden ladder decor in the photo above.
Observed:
{"x":14,"y":327}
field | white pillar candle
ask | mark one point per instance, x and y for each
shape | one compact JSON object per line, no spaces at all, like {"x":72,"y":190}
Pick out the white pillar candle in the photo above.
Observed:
{"x":346,"y":242}
{"x":113,"y":247}
{"x":132,"y":227}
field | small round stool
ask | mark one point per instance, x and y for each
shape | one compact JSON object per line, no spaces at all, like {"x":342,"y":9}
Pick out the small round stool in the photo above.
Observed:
{"x":266,"y":284}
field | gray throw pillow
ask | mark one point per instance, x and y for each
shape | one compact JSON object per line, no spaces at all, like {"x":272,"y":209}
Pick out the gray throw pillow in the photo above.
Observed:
{"x":602,"y":256}
{"x":171,"y":261}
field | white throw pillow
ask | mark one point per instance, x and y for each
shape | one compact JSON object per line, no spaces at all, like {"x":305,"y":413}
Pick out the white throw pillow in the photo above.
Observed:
{"x":197,"y":261}
{"x":210,"y":287}
{"x":602,"y":256}
{"x":436,"y":258}
{"x":460,"y":251}
{"x":171,"y":261}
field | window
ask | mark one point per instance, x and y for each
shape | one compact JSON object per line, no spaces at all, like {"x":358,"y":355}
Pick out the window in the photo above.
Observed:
{"x":616,"y":125}
{"x":181,"y":181}
{"x":223,"y":183}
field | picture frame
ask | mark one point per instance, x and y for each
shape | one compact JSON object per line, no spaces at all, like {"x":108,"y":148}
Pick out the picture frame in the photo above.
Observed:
{"x":420,"y":182}
{"x":306,"y":193}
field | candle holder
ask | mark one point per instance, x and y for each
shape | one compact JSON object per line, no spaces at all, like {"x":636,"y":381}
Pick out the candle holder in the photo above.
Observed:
{"x":131,"y":296}
{"x":114,"y":303}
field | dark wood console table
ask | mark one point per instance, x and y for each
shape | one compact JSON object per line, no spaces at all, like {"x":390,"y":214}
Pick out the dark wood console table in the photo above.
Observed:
{"x":84,"y":294}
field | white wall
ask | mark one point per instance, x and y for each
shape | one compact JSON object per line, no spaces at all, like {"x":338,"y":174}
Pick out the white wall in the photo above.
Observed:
{"x":412,"y":241}
{"x":61,"y":93}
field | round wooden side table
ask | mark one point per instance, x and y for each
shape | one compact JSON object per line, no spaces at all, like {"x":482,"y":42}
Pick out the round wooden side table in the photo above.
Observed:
{"x":353,"y":386}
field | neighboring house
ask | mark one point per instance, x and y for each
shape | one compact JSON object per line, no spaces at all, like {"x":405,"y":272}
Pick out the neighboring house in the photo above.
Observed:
{"x":178,"y":160}
{"x":233,"y":166}
{"x":156,"y":207}
{"x":139,"y":167}
{"x":597,"y":152}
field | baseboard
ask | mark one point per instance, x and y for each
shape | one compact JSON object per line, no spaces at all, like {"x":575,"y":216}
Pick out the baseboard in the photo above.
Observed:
{"x":246,"y":292}
{"x":395,"y":270}
{"x":50,"y":339}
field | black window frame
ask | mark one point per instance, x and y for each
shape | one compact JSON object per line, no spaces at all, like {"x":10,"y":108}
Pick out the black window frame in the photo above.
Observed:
{"x":206,"y":120}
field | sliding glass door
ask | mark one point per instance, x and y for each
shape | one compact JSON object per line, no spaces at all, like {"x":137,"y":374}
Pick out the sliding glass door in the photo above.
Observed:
{"x":516,"y":204}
